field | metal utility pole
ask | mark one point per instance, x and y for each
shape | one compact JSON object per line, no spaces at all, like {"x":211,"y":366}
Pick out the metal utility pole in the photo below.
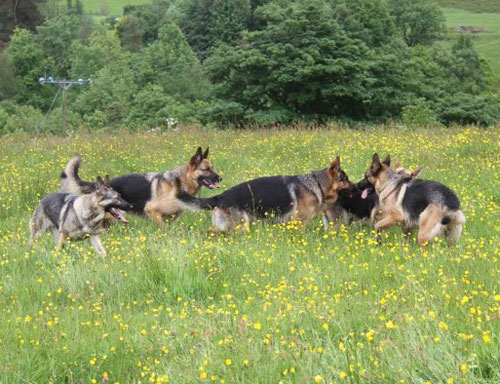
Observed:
{"x":65,"y":85}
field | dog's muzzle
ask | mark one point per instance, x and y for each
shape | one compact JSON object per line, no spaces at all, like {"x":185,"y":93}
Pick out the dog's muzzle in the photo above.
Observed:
{"x":365,"y":187}
{"x":211,"y":182}
{"x":117,"y":211}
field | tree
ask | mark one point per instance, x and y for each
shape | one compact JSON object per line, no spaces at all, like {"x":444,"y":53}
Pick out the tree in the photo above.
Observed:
{"x":301,"y":66}
{"x":55,"y":37}
{"x":18,"y":13}
{"x":147,"y":19}
{"x":29,"y":64}
{"x":130,"y":33}
{"x":368,"y":20}
{"x":420,"y":21}
{"x":112,"y":88}
{"x":208,"y":23}
{"x":7,"y":78}
{"x":171,"y":63}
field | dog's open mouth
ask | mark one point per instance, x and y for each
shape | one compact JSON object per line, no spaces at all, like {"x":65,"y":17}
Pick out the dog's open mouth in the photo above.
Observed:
{"x":118,"y":215}
{"x":211,"y":185}
{"x":365,"y":193}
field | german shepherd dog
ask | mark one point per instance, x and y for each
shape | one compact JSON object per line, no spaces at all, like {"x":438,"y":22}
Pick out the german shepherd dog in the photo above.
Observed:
{"x":430,"y":206}
{"x":153,"y":193}
{"x":352,"y":206}
{"x":300,"y":197}
{"x":69,"y":215}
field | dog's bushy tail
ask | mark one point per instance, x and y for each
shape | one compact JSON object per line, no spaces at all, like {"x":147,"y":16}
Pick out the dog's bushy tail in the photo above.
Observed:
{"x":454,"y":222}
{"x":192,"y":202}
{"x":70,"y":180}
{"x":456,"y":217}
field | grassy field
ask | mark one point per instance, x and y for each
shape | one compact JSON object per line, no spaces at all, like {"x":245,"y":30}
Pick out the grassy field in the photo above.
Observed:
{"x":486,"y":43}
{"x":113,"y":7}
{"x":472,"y":5}
{"x":276,"y":305}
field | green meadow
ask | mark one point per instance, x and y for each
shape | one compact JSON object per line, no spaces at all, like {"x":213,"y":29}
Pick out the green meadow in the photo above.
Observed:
{"x":487,"y":43}
{"x":277,"y":304}
{"x":113,"y":7}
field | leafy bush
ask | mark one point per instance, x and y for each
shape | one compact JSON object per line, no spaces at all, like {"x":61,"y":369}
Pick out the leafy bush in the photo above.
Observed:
{"x":463,"y":108}
{"x":419,"y":114}
{"x":19,"y":119}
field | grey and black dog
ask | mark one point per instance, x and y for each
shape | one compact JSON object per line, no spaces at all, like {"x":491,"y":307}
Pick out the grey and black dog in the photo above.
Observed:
{"x":68,"y":215}
{"x":300,"y":197}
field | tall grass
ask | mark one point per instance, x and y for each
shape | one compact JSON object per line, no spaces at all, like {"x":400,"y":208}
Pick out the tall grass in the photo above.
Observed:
{"x":277,"y":304}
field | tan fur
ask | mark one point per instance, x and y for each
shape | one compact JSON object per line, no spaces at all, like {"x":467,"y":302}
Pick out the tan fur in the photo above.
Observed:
{"x":308,"y":207}
{"x":312,"y":201}
{"x":392,"y":212}
{"x":163,"y":204}
{"x":429,"y":219}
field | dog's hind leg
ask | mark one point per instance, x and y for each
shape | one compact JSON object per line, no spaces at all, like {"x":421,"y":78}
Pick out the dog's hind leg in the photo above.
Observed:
{"x":221,"y":221}
{"x":155,"y":216}
{"x":429,"y":225}
{"x":39,"y":223}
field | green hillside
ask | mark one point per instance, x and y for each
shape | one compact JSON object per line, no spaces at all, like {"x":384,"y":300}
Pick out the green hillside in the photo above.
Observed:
{"x":473,"y":5}
{"x":110,"y":7}
{"x":487,"y":42}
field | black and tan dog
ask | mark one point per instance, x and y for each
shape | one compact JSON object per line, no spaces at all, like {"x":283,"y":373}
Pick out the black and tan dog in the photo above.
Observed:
{"x":68,"y":215}
{"x":430,"y":206}
{"x":352,"y":206}
{"x":153,"y":193}
{"x":300,"y":197}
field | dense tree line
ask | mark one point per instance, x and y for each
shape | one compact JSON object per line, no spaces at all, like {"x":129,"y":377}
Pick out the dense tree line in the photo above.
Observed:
{"x":236,"y":62}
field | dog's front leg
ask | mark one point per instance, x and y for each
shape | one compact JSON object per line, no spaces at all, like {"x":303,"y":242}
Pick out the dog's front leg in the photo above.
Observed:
{"x":156,"y":217}
{"x":385,"y":223}
{"x":61,"y":239}
{"x":97,"y":244}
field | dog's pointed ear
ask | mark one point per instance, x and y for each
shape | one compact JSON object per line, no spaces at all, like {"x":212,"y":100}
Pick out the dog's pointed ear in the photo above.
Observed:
{"x":416,"y":173}
{"x":376,"y":164}
{"x":387,"y":161}
{"x":107,"y":182}
{"x":99,"y":183}
{"x":197,"y":158}
{"x":334,"y":167}
{"x":205,"y":154}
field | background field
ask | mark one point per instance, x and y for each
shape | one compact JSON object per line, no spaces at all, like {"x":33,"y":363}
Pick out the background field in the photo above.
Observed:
{"x":473,"y":5}
{"x":487,"y":43}
{"x":274,"y":305}
{"x":115,"y":7}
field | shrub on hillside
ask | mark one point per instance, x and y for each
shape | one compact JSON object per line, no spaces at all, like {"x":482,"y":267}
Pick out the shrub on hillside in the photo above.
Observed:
{"x":19,"y":118}
{"x":419,"y":114}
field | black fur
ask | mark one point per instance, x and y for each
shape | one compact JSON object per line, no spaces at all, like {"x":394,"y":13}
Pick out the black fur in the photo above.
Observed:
{"x":133,"y":188}
{"x":420,"y":193}
{"x":52,"y":205}
{"x":261,"y":196}
{"x":354,"y":204}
